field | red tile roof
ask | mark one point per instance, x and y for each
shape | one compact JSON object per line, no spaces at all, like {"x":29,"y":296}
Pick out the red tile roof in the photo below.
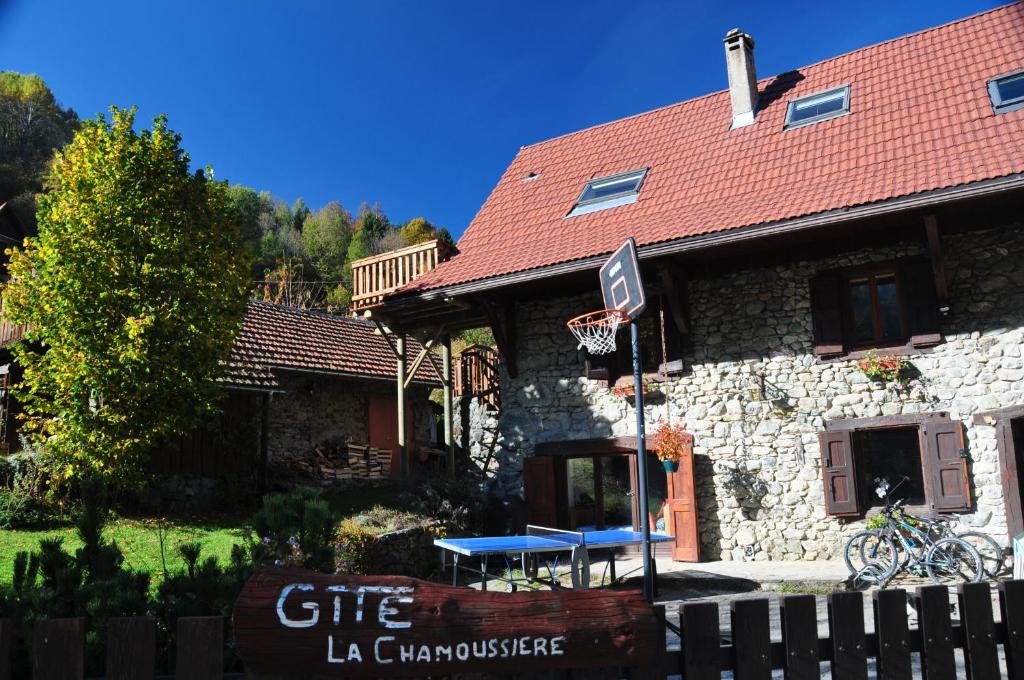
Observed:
{"x":920,"y":119}
{"x":279,"y":337}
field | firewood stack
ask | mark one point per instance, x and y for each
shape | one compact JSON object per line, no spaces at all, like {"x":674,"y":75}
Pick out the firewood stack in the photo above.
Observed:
{"x":331,"y":464}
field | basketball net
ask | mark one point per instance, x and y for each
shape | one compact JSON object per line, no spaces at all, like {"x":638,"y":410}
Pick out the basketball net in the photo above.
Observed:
{"x":596,"y":330}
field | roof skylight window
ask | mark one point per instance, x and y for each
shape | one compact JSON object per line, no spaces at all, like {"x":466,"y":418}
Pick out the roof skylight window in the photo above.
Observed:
{"x":818,"y":107}
{"x":608,"y":192}
{"x":1007,"y":92}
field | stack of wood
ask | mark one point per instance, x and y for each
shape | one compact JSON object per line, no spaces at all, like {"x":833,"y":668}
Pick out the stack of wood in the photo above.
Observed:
{"x":351,"y":461}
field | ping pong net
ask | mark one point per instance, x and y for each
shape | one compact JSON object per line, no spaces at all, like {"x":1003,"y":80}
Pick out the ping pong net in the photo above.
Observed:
{"x":569,"y":538}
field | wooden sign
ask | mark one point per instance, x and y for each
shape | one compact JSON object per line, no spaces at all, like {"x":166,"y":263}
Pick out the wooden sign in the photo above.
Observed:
{"x":293,"y":621}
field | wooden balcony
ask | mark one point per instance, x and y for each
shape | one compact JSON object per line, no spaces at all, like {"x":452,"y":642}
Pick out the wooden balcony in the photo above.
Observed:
{"x":376,"y":276}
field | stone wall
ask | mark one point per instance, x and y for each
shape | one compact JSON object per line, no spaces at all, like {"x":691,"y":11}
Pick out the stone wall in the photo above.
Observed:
{"x":758,"y":473}
{"x":316,"y":409}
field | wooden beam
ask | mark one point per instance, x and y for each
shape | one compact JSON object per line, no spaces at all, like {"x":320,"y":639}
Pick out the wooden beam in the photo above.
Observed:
{"x":931,"y":228}
{"x":386,"y":333}
{"x":449,"y":440}
{"x":403,"y":451}
{"x":502,"y":319}
{"x":423,"y":354}
{"x":675,"y":290}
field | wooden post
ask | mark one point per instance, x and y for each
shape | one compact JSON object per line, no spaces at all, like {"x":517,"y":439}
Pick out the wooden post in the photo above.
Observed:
{"x":403,"y":450}
{"x":200,"y":648}
{"x":1011,"y":606}
{"x":58,"y":649}
{"x":846,"y":624}
{"x":261,"y":470}
{"x":131,"y":648}
{"x":449,"y":442}
{"x":981,"y":656}
{"x":799,"y":619}
{"x":937,"y":658}
{"x":6,"y":642}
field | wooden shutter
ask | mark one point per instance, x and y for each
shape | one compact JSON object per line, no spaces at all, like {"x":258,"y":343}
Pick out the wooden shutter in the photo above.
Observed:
{"x":945,"y":468}
{"x":827,"y":313}
{"x":540,"y":490}
{"x":838,"y":473}
{"x":920,"y":304}
{"x":681,"y":511}
{"x":1008,"y":471}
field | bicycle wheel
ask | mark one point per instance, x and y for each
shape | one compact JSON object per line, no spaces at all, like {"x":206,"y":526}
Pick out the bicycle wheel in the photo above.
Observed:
{"x":952,"y":560}
{"x":993,"y":557}
{"x":870,"y":556}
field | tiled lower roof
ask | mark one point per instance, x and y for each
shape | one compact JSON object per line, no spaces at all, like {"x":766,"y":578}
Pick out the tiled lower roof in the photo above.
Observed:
{"x":285,"y":338}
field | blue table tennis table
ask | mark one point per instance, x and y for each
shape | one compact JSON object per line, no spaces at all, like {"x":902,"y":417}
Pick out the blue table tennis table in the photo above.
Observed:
{"x":543,"y":542}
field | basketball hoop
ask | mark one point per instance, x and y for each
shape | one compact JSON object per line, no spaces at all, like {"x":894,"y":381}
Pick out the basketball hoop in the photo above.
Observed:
{"x":596,"y":330}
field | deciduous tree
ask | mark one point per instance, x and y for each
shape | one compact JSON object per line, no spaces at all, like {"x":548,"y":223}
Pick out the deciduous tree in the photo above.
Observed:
{"x":134,"y":290}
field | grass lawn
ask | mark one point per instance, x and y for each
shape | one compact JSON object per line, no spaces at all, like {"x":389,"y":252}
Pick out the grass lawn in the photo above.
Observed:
{"x":139,"y":540}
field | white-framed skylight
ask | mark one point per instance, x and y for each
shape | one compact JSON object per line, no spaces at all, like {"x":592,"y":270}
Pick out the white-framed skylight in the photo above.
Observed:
{"x":818,"y":107}
{"x":1007,"y":92}
{"x":607,"y":192}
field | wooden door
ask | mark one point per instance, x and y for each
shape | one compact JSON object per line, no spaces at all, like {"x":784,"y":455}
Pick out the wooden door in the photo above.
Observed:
{"x":682,"y":509}
{"x":382,"y":428}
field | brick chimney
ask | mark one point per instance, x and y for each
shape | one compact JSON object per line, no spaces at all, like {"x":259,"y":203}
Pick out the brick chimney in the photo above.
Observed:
{"x":739,"y":61}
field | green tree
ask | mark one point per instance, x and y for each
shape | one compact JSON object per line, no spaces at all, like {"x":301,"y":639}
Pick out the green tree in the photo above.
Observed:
{"x":417,"y":230}
{"x":133,"y":290}
{"x":32,"y":126}
{"x":326,"y":234}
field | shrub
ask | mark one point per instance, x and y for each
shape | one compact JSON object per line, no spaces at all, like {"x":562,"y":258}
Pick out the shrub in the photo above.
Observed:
{"x":295,"y":529}
{"x":456,"y":504}
{"x":91,"y":583}
{"x":360,"y":549}
{"x":29,"y":496}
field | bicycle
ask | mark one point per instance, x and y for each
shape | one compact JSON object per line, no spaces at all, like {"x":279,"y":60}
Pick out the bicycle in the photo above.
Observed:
{"x":994,"y":559}
{"x":877,"y":556}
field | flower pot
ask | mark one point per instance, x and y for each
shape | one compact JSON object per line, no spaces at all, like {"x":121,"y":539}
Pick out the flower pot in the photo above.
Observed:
{"x":670,"y":465}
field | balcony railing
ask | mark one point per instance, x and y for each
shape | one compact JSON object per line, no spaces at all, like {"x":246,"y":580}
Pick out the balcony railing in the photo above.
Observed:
{"x":476,"y":375}
{"x":376,"y":276}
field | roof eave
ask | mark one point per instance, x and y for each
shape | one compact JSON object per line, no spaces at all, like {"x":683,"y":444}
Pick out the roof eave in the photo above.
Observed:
{"x":927,"y":199}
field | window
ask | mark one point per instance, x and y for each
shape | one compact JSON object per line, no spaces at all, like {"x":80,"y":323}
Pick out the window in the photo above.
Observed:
{"x":608,"y":192}
{"x":929,"y":451}
{"x":661,"y":346}
{"x":885,"y":305}
{"x":818,"y":107}
{"x":1007,"y":92}
{"x":875,"y":314}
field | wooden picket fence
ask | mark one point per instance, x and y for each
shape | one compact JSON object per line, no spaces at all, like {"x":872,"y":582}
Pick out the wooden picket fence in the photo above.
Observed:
{"x":749,"y":652}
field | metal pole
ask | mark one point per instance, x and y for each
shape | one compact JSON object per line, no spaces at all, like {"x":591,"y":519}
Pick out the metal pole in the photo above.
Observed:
{"x":449,"y":442}
{"x":403,"y":451}
{"x":641,"y":459}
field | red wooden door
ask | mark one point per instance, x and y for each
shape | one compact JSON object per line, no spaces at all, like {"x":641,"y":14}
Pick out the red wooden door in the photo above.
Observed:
{"x":682,"y":509}
{"x":382,"y":428}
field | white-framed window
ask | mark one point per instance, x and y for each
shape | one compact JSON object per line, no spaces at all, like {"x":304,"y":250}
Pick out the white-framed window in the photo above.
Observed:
{"x":1007,"y":92}
{"x":818,"y":107}
{"x":608,"y":192}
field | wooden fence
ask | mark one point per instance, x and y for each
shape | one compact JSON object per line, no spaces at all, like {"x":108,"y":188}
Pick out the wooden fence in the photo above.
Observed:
{"x":749,"y":652}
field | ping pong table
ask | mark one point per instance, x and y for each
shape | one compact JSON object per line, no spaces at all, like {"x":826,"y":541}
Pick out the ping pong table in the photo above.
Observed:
{"x":543,"y":542}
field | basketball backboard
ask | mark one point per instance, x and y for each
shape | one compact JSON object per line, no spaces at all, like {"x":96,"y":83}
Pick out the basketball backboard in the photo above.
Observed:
{"x":621,"y":284}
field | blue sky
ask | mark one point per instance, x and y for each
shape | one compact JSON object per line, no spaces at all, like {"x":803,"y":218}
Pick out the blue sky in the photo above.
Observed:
{"x":417,"y":105}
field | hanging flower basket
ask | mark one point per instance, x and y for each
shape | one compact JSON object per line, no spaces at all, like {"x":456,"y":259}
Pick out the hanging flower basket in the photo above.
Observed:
{"x":670,"y":441}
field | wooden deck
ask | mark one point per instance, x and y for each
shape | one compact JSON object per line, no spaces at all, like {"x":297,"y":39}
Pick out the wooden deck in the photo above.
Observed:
{"x":377,"y":276}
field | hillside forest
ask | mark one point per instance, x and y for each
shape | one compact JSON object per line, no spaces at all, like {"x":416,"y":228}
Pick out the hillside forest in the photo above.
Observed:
{"x":301,"y":254}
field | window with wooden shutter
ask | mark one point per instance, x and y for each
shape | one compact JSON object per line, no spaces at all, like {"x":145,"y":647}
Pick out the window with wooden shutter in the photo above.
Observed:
{"x":945,"y":465}
{"x":838,"y":473}
{"x":827,"y":313}
{"x":920,"y":302}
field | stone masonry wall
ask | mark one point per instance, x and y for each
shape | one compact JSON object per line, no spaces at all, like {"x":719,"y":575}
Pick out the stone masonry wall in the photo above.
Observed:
{"x":316,"y":409}
{"x":758,"y":471}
